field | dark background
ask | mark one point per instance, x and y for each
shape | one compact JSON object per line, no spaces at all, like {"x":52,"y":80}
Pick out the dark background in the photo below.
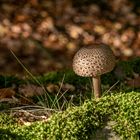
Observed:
{"x":45,"y":34}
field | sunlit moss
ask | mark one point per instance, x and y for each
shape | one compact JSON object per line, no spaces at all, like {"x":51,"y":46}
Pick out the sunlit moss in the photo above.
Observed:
{"x":77,"y":123}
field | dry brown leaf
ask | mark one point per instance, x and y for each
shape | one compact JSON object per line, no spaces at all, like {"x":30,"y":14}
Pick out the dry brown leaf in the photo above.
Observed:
{"x":25,"y":101}
{"x":31,"y":90}
{"x":3,"y":30}
{"x":75,"y":31}
{"x":21,"y":17}
{"x":135,"y":83}
{"x":71,"y":47}
{"x":52,"y":88}
{"x":100,"y":29}
{"x":6,"y":93}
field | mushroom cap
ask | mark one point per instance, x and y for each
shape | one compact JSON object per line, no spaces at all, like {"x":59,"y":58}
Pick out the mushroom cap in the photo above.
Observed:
{"x":93,"y":60}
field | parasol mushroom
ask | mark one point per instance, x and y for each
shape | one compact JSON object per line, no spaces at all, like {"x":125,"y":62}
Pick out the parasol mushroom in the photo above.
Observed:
{"x":93,"y":61}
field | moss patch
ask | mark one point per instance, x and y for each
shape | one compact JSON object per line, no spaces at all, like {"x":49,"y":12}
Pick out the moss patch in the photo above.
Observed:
{"x":77,"y":123}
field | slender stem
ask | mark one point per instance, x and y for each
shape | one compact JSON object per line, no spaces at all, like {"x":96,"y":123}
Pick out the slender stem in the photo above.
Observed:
{"x":97,"y":86}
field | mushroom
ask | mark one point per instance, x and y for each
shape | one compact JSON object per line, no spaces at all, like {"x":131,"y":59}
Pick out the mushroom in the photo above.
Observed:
{"x":93,"y":61}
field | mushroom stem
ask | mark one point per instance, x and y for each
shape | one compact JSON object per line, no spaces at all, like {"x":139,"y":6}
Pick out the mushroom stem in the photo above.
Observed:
{"x":97,"y":86}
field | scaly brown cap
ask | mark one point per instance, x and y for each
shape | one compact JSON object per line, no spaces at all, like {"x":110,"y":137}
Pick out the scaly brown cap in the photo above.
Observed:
{"x":93,"y":60}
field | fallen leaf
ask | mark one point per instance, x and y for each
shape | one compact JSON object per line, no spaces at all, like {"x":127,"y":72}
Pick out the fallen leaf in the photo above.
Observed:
{"x":6,"y":93}
{"x":99,"y":29}
{"x":25,"y":101}
{"x":75,"y":31}
{"x":31,"y":90}
{"x":52,"y":88}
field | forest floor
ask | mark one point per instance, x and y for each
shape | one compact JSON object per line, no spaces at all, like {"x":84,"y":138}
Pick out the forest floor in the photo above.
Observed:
{"x":44,"y":35}
{"x":37,"y":42}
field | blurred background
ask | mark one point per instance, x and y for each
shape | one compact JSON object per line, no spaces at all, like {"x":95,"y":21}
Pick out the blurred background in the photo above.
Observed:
{"x":45,"y":34}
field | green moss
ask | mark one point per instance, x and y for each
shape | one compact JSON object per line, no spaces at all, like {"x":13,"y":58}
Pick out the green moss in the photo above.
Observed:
{"x":127,"y":115}
{"x":6,"y":119}
{"x":77,"y":123}
{"x":67,"y":76}
{"x":36,"y":131}
{"x":7,"y":126}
